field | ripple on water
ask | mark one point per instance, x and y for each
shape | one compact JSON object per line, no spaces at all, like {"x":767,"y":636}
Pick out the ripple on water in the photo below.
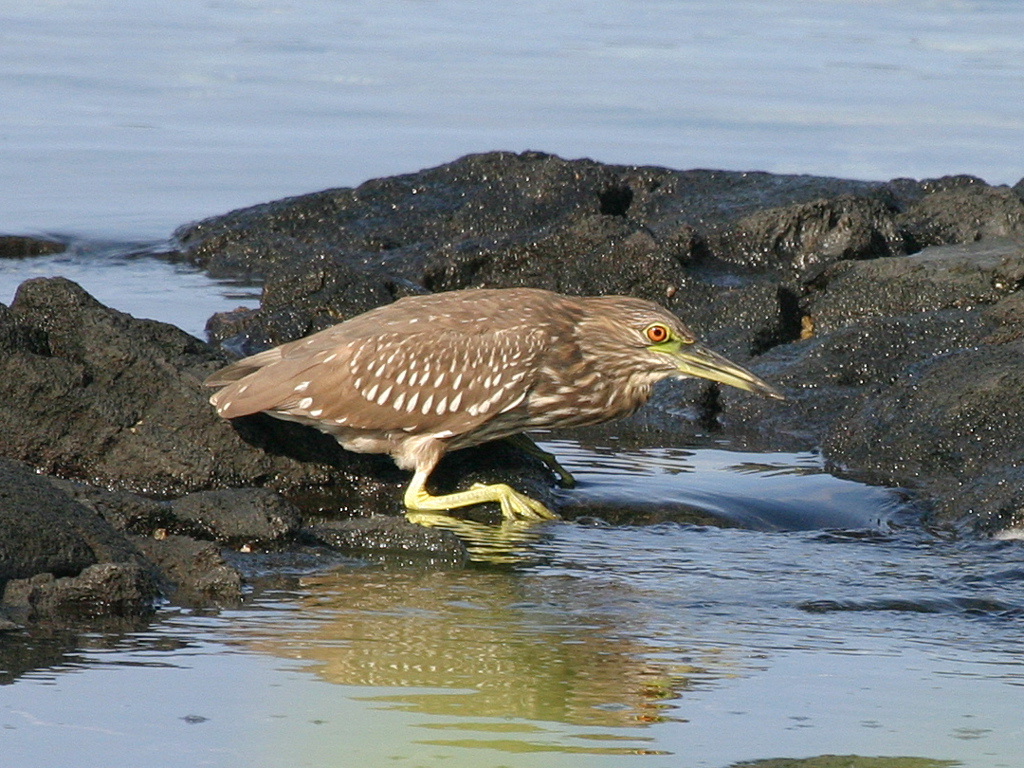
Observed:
{"x":759,"y":491}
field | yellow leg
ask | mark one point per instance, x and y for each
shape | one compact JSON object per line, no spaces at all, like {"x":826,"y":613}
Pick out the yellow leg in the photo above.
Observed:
{"x":514,"y":505}
{"x":527,"y":445}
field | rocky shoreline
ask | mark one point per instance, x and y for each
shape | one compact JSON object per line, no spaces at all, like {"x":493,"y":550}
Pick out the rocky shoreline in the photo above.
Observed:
{"x":891,"y":314}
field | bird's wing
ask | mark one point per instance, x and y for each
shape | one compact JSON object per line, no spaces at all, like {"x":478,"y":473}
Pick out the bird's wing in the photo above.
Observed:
{"x":242,"y":368}
{"x":301,"y":352}
{"x":432,"y":380}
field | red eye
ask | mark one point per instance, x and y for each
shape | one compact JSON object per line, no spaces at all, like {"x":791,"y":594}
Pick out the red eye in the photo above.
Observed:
{"x":657,"y":333}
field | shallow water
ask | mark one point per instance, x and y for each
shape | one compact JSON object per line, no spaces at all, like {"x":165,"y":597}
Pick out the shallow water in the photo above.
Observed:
{"x":759,"y":491}
{"x":663,"y":646}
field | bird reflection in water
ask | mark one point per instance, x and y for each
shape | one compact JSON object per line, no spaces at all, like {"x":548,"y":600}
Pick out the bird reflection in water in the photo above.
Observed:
{"x":490,"y":644}
{"x":510,"y":543}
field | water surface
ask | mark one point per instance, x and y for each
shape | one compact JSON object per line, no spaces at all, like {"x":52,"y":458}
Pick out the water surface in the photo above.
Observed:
{"x":663,"y":646}
{"x":127,"y":119}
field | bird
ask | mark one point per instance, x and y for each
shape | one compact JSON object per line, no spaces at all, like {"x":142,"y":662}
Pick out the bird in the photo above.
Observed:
{"x":434,"y":373}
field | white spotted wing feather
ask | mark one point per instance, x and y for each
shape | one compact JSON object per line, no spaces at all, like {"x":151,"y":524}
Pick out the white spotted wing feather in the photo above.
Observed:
{"x":400,"y":378}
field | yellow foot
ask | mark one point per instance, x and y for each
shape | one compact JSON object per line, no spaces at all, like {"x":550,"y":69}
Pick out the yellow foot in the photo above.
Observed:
{"x":514,"y":505}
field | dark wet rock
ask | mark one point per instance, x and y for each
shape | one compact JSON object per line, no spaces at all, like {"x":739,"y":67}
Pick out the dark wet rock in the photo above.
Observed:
{"x":961,"y":276}
{"x":1018,"y":189}
{"x":386,"y":221}
{"x":92,"y":394}
{"x":963,"y":214}
{"x":741,"y":321}
{"x":127,"y":512}
{"x":237,"y":517}
{"x":824,"y":375}
{"x":869,"y":324}
{"x":950,"y":427}
{"x":42,"y":530}
{"x":307,"y":296}
{"x":387,"y":535}
{"x":16,"y":337}
{"x":188,"y":571}
{"x":808,"y":235}
{"x":63,"y":555}
{"x":20,"y":247}
{"x":620,"y":257}
{"x":912,"y":378}
{"x":234,"y":517}
{"x":225,"y":325}
{"x":192,"y":572}
{"x":532,"y":219}
{"x":101,"y":590}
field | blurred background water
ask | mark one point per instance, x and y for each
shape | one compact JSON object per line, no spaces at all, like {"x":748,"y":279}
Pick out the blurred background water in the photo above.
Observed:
{"x":805,"y":615}
{"x":125,"y":119}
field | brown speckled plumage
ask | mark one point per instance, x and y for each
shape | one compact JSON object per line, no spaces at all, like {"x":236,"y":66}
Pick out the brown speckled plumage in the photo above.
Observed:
{"x":429,"y":374}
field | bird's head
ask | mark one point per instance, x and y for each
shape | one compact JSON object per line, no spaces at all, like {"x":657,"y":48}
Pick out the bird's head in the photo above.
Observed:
{"x":651,"y":343}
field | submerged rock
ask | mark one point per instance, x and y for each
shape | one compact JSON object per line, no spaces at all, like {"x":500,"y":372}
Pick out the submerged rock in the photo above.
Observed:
{"x":103,"y":590}
{"x":392,"y":535}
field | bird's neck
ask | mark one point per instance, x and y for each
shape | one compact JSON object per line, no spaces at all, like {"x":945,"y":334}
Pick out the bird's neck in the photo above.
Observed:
{"x":568,"y":398}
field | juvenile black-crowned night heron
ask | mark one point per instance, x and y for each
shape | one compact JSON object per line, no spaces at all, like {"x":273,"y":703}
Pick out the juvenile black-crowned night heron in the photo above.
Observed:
{"x":431,"y":374}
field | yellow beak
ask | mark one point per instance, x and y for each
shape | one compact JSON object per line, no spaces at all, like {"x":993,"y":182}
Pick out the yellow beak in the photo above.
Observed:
{"x":699,"y":361}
